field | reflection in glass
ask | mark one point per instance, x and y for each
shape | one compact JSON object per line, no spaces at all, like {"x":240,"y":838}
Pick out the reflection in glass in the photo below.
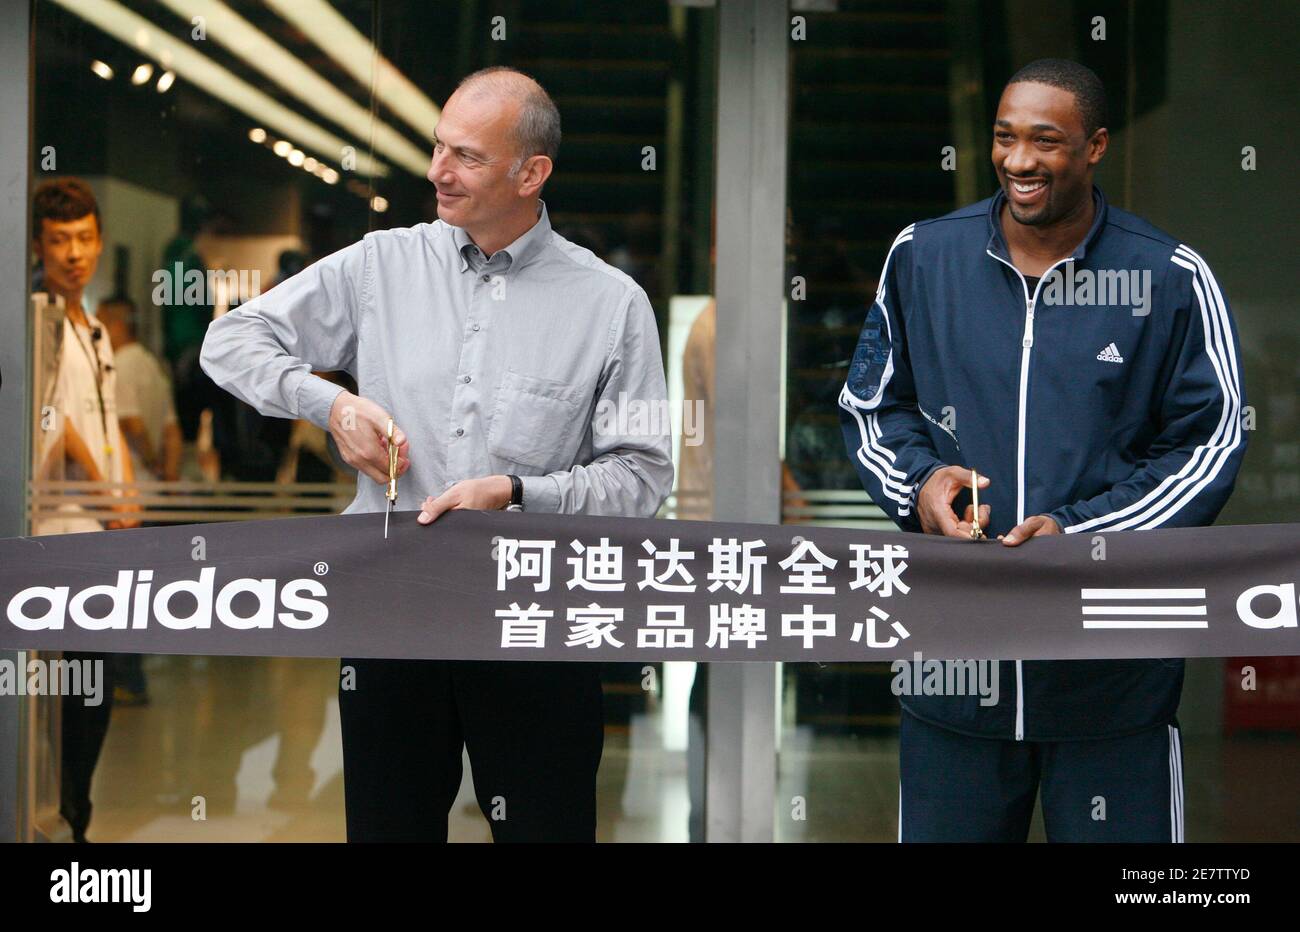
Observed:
{"x":227,"y":161}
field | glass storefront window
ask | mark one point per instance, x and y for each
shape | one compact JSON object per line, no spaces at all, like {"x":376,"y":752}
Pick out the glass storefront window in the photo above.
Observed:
{"x":891,"y":109}
{"x":230,"y":146}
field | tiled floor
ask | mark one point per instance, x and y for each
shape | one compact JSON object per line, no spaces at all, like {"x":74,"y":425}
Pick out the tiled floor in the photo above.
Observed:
{"x":258,"y":740}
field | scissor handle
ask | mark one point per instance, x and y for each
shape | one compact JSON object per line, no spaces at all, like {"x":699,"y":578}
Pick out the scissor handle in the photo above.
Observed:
{"x":392,"y":464}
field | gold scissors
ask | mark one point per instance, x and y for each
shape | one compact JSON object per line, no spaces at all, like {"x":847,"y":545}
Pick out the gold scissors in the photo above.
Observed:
{"x":391,"y":493}
{"x":976,"y":532}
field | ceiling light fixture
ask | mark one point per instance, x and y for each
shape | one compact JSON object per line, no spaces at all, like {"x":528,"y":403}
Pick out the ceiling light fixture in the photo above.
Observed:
{"x":339,"y":39}
{"x":202,"y":72}
{"x":288,"y":71}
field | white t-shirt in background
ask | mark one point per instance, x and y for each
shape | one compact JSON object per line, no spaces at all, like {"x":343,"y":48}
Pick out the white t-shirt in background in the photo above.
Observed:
{"x":144,"y":391}
{"x":85,"y":396}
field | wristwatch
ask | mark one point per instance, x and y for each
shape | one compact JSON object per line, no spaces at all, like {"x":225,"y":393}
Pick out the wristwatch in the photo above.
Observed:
{"x":516,"y":494}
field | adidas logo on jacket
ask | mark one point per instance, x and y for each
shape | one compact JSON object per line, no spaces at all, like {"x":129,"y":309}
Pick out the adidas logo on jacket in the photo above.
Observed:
{"x":1110,"y":354}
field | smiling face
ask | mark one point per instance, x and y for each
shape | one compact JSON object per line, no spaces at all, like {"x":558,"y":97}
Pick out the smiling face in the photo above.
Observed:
{"x":1042,"y":154}
{"x":69,"y":250}
{"x":473,"y":156}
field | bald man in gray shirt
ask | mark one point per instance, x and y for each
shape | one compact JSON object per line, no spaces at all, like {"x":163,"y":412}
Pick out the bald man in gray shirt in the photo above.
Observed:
{"x":493,"y":343}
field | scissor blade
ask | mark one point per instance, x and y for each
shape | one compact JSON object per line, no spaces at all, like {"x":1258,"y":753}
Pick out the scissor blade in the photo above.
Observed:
{"x":387,"y":512}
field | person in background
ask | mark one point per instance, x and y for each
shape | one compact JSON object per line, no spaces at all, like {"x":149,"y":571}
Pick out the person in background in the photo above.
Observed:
{"x":185,"y":322}
{"x":145,"y":408}
{"x":147,"y":416}
{"x":83,"y":441}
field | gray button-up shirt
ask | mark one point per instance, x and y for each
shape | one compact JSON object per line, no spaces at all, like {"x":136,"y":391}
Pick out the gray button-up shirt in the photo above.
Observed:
{"x":541,"y":361}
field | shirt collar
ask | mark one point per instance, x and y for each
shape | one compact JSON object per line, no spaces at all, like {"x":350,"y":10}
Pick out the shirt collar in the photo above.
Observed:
{"x":520,"y":251}
{"x":998,"y":244}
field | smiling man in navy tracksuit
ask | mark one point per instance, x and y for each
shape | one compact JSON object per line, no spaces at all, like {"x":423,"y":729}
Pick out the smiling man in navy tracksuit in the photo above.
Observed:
{"x":1086,"y":363}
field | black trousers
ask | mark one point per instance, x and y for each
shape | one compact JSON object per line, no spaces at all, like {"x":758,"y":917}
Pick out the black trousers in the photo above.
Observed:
{"x":534,"y":731}
{"x":956,"y":787}
{"x":82,"y":737}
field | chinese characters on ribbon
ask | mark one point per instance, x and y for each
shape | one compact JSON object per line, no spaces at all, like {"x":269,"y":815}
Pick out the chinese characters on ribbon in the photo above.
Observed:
{"x":723,"y":582}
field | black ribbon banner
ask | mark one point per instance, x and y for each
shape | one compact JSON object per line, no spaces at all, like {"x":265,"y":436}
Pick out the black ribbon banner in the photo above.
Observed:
{"x":508,"y":586}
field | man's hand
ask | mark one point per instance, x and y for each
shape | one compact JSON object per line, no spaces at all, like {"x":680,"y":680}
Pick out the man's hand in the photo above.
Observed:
{"x":490,"y":493}
{"x":360,"y":428}
{"x":117,"y":524}
{"x":128,"y":476}
{"x":934,"y":503}
{"x":1037,"y":526}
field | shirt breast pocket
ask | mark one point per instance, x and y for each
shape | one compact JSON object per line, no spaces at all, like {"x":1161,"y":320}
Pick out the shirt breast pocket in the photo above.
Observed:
{"x":536,"y":422}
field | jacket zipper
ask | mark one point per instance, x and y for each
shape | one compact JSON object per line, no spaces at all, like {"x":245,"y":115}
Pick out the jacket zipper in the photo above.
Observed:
{"x":1026,"y":344}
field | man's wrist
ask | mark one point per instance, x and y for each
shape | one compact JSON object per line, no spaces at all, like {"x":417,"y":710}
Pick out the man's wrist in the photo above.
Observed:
{"x":316,"y":398}
{"x":541,"y":494}
{"x":1059,"y":517}
{"x":516,"y":499}
{"x":924,"y":476}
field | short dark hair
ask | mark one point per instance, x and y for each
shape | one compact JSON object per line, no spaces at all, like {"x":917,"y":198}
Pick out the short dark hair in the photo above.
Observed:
{"x":120,"y":300}
{"x":63,"y":199}
{"x":126,"y":314}
{"x":1079,"y":80}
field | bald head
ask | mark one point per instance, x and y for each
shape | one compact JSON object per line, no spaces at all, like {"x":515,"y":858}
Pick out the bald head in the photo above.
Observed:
{"x":493,"y":149}
{"x":536,"y":129}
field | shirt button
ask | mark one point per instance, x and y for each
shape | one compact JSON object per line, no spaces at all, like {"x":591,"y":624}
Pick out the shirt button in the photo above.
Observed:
{"x":487,"y":278}
{"x":466,"y":380}
{"x":460,"y":432}
{"x":475,"y":328}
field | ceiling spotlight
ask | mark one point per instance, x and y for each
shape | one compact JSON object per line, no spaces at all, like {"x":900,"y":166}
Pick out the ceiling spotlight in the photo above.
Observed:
{"x":257,"y":134}
{"x":169,"y":52}
{"x":309,"y":164}
{"x":142,"y":73}
{"x":378,"y":204}
{"x":282,"y":147}
{"x":101,"y":69}
{"x":165,"y":82}
{"x":330,"y":176}
{"x":296,"y":157}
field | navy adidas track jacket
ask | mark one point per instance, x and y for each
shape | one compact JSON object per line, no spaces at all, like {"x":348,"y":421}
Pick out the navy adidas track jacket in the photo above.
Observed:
{"x":1108,"y":397}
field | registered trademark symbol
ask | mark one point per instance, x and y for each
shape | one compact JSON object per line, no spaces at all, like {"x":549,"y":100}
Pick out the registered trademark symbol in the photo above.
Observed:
{"x":321,"y":568}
